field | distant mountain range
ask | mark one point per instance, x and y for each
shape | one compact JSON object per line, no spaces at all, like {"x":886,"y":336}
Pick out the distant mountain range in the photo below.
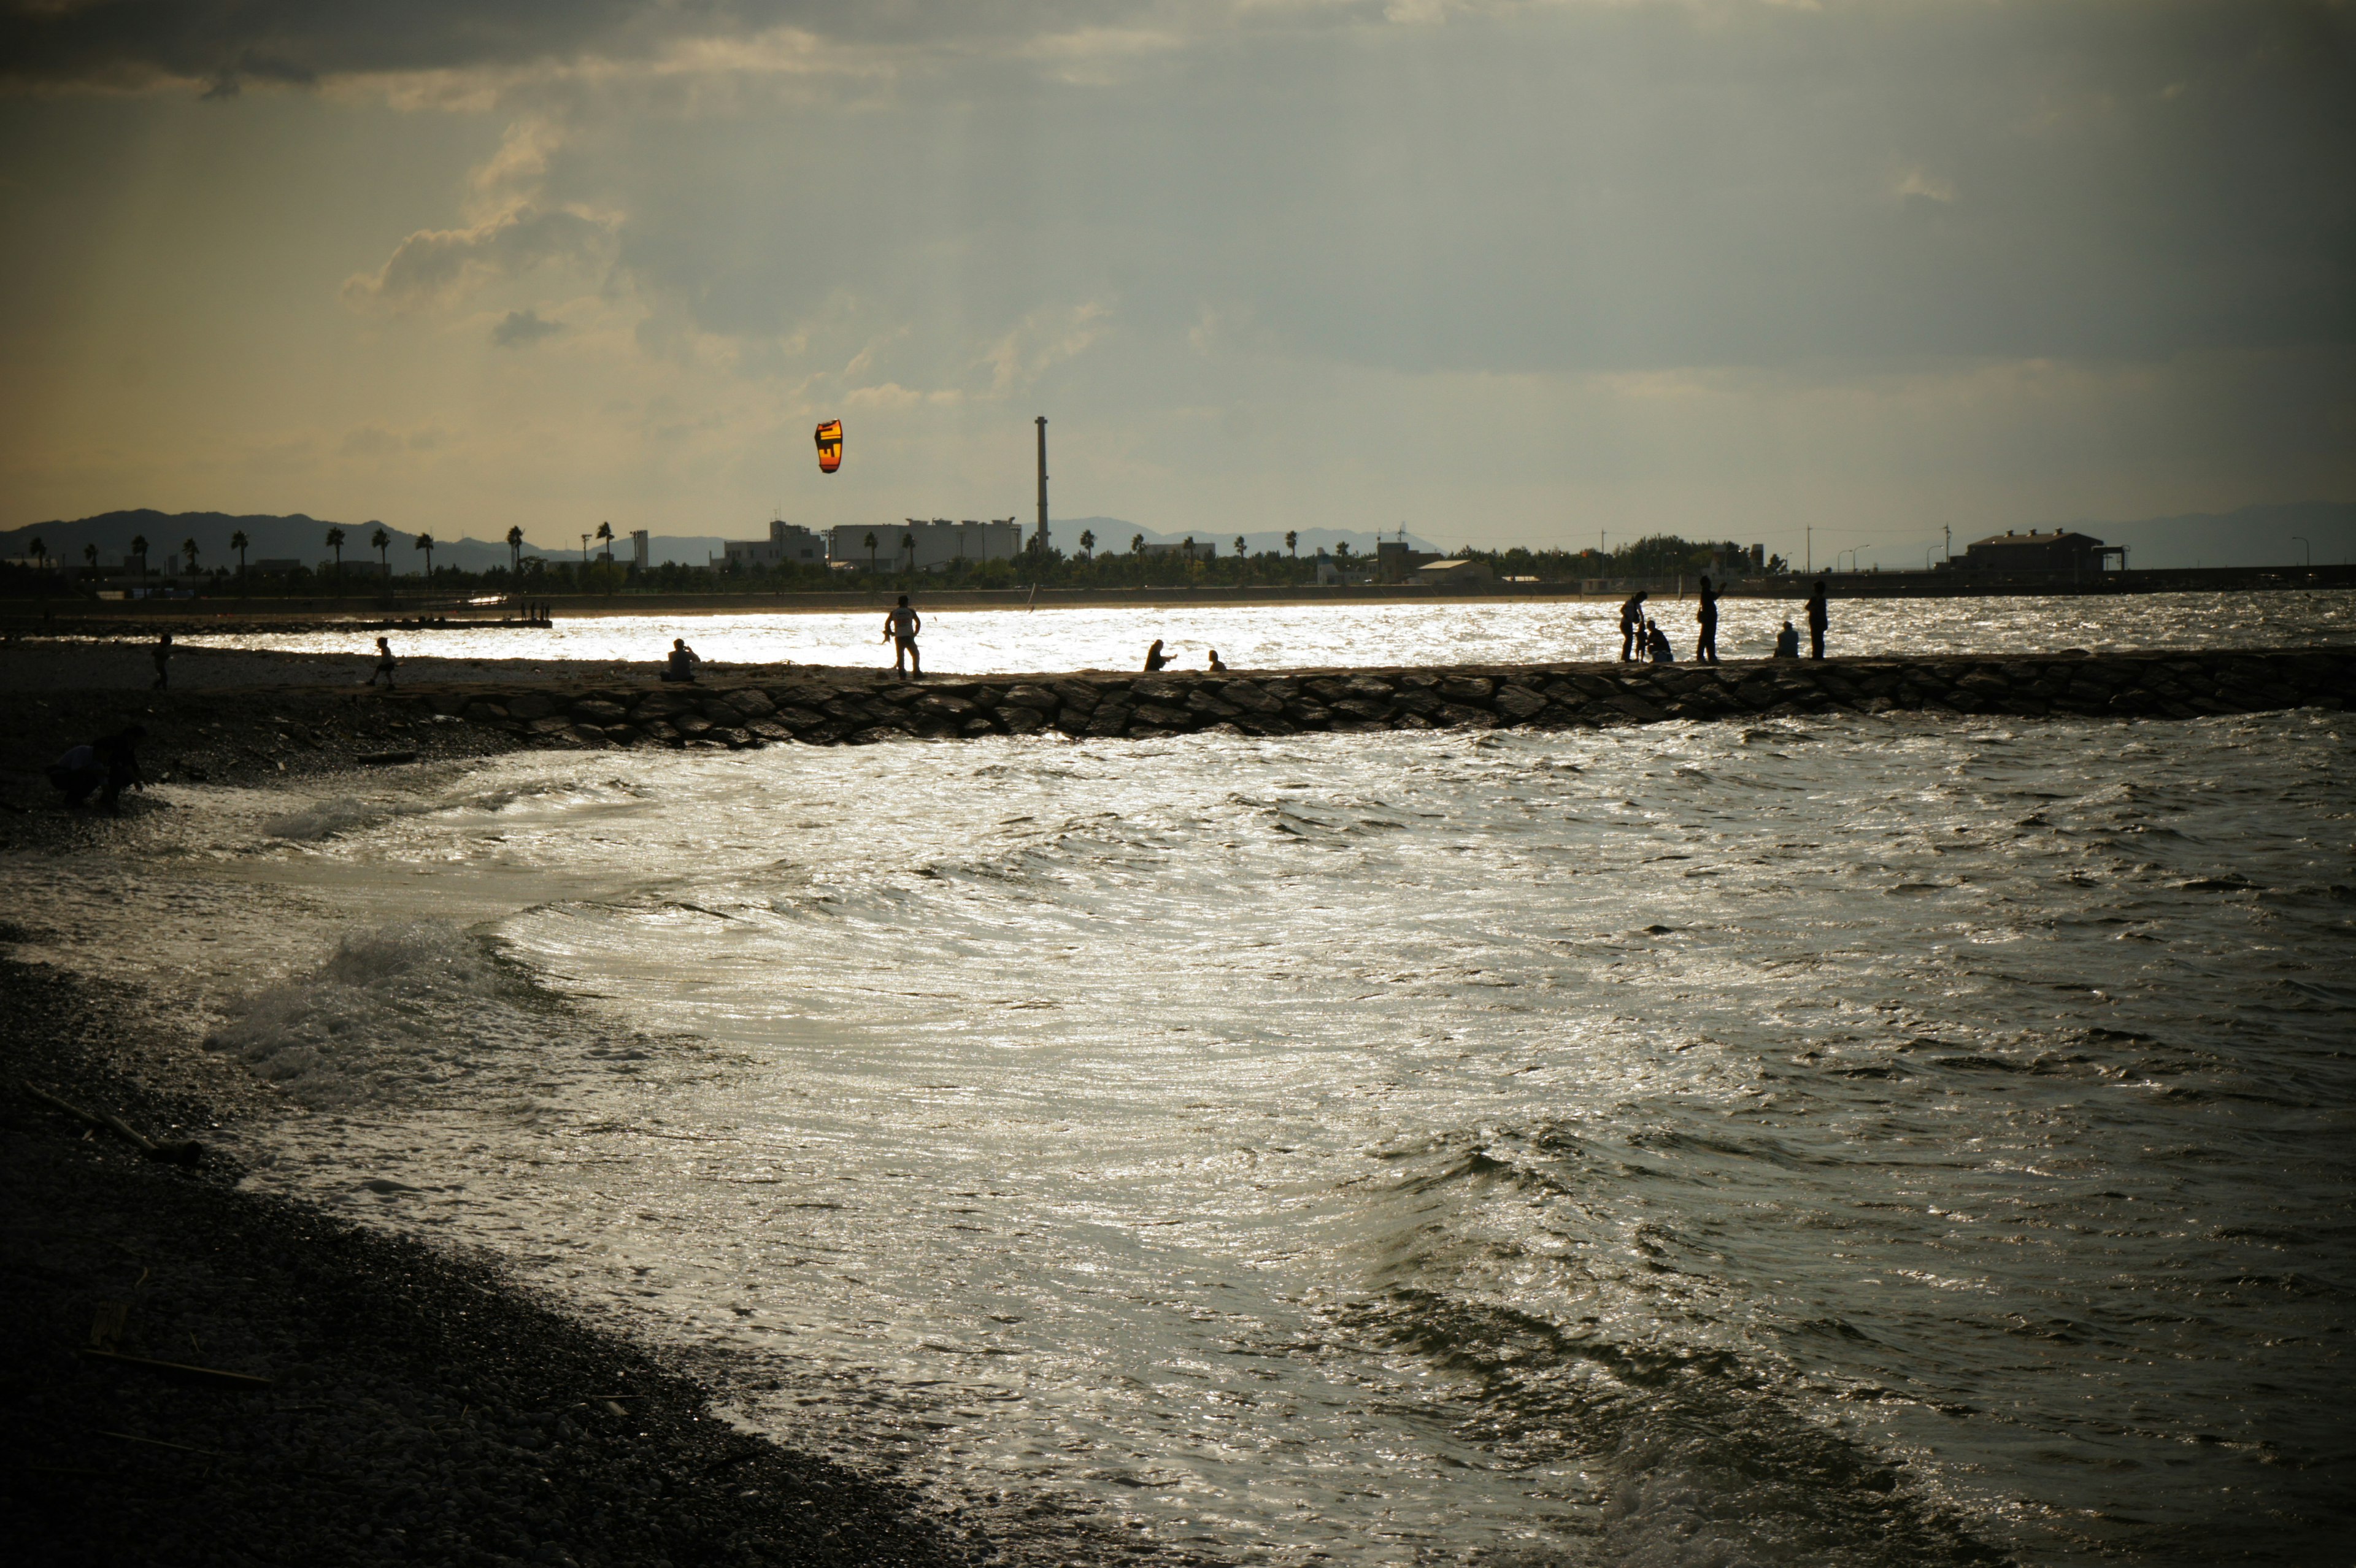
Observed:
{"x":2250,"y":536}
{"x":304,"y":539}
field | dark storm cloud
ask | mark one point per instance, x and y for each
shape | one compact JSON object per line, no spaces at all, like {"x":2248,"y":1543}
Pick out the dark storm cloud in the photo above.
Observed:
{"x":522,"y":328}
{"x":302,"y":41}
{"x":1594,"y":189}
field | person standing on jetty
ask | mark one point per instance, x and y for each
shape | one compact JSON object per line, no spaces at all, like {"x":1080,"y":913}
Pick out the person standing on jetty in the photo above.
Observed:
{"x":901,"y":625}
{"x":384,"y":663}
{"x":1820,"y":618}
{"x":162,"y":655}
{"x":1632,"y":627}
{"x":1706,"y":649}
{"x":1154,"y":658}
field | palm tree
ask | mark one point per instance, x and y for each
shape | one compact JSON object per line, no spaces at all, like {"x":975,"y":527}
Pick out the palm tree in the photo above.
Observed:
{"x":1137,"y":544}
{"x":237,"y":542}
{"x":38,"y":551}
{"x":139,"y":549}
{"x":188,"y":549}
{"x":90,"y":554}
{"x":382,"y":541}
{"x":870,"y":554}
{"x":606,"y":532}
{"x":1293,"y":543}
{"x":1089,"y":542}
{"x":1239,"y":547}
{"x":908,"y":543}
{"x":425,"y":543}
{"x":335,"y":543}
{"x":515,"y":551}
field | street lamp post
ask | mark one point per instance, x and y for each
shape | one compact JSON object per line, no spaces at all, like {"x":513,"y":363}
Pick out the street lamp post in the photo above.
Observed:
{"x":2305,"y":551}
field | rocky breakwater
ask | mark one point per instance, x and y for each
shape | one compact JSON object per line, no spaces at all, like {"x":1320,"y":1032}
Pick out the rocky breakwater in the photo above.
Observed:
{"x":844,"y":707}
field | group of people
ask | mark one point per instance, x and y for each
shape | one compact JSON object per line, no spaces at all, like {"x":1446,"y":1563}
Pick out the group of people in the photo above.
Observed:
{"x":1642,"y":639}
{"x":1155,"y":660}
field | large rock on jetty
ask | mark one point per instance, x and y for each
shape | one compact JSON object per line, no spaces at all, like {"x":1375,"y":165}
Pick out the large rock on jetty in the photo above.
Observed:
{"x":836,"y":708}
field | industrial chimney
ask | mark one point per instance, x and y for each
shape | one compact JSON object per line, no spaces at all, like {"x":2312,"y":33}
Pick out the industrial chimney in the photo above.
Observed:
{"x":1039,"y":539}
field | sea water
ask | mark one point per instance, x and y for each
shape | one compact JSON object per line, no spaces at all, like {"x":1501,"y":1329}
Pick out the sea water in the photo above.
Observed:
{"x":1831,"y":1140}
{"x":1300,"y":635}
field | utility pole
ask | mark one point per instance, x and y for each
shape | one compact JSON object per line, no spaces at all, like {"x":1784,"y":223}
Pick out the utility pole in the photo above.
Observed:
{"x":1039,"y":539}
{"x":1812,"y":550}
{"x":1949,"y":531}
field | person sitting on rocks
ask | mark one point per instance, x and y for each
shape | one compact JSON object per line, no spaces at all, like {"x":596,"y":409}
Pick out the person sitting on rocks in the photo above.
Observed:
{"x":1787,"y":642}
{"x":1215,"y":660}
{"x":684,"y":660}
{"x":384,"y":663}
{"x":105,"y":765}
{"x":1154,"y":658}
{"x":1656,"y":643}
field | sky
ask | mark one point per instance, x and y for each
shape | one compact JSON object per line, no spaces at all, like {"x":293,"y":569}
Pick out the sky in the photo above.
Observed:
{"x":1538,"y":273}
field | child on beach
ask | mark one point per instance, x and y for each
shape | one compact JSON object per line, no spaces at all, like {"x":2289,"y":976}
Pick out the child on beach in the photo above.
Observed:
{"x":384,"y":663}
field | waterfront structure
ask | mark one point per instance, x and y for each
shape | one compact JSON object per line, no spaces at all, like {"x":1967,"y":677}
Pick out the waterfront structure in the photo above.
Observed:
{"x":919,"y":544}
{"x":789,"y":543}
{"x":638,"y":548}
{"x":2063,"y":549}
{"x":1455,"y":570}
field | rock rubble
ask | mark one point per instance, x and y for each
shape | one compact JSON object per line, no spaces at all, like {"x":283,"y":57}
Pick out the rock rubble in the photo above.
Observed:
{"x":839,"y":707}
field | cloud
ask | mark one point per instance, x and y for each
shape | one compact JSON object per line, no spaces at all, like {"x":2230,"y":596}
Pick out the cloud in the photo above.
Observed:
{"x":522,"y":328}
{"x":1915,"y":182}
{"x":434,"y":265}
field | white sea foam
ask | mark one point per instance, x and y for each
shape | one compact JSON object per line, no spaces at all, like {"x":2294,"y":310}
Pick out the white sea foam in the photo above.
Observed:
{"x":390,"y":1011}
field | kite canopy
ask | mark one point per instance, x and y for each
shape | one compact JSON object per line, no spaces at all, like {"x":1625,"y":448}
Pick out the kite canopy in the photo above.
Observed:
{"x":829,"y":446}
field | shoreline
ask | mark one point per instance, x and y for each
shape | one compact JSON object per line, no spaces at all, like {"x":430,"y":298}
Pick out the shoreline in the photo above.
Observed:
{"x":421,"y":1406}
{"x":375,"y":613}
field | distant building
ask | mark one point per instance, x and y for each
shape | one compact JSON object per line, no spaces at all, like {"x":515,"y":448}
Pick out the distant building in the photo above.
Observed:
{"x":915,"y":544}
{"x":2063,"y":549}
{"x":1395,"y":563}
{"x":786,"y":543}
{"x":638,"y":548}
{"x":1187,"y":549}
{"x":1454,"y":571}
{"x":275,"y":568}
{"x":358,"y":566}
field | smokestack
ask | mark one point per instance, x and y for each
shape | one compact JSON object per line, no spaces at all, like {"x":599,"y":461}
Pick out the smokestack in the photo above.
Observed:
{"x":1039,"y":539}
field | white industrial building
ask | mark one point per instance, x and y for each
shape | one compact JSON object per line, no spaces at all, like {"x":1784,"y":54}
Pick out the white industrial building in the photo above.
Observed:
{"x":787,"y":542}
{"x":916,"y":545}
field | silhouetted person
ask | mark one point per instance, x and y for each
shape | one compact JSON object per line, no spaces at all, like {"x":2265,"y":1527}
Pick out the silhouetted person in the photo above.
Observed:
{"x":107,"y":765}
{"x":1632,"y":628}
{"x":1706,"y":649}
{"x":1656,"y":643}
{"x":1215,"y":660}
{"x":684,"y":660}
{"x":1154,"y":658}
{"x":384,"y":662}
{"x":162,"y":655}
{"x":901,"y":625}
{"x":1787,"y":642}
{"x":1820,"y":616}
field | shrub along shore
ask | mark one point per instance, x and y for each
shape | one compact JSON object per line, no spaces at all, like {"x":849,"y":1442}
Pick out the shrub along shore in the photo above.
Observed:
{"x":837,"y":706}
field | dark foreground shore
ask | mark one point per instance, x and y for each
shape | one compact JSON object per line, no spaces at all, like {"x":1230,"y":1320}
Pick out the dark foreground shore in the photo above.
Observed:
{"x":418,"y":1407}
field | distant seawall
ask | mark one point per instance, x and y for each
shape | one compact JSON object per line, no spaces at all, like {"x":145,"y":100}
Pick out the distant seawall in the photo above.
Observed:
{"x":227,"y":613}
{"x":834,"y":707}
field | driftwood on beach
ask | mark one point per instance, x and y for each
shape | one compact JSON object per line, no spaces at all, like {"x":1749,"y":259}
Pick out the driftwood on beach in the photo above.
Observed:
{"x":835,"y":706}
